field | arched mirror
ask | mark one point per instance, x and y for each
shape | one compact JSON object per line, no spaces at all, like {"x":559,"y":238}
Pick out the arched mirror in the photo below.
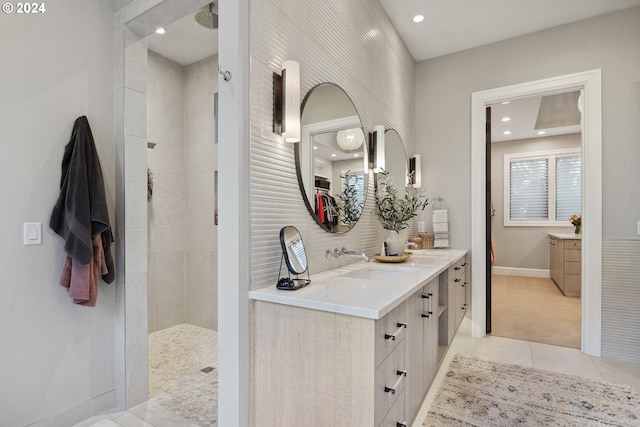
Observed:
{"x":395,"y":158}
{"x":331,"y":158}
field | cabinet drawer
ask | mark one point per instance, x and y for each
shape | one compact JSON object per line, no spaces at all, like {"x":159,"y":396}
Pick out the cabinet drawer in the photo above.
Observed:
{"x":396,"y":415}
{"x":572,"y":254}
{"x":389,"y":332}
{"x":572,"y":267}
{"x":572,"y":285}
{"x":389,"y":384}
{"x":573,"y":244}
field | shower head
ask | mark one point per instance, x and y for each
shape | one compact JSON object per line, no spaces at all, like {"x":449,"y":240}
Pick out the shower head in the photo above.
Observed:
{"x":207,"y":17}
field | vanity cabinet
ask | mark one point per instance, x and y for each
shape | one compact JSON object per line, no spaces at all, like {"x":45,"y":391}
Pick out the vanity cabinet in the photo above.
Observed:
{"x":565,"y":263}
{"x":312,"y":367}
{"x":454,"y":297}
{"x":422,"y":343}
{"x":353,"y":352}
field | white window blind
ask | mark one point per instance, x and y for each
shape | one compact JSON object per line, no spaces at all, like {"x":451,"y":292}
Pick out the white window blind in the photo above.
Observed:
{"x":357,"y":181}
{"x":542,"y":188}
{"x":568,"y":187}
{"x":529,"y":191}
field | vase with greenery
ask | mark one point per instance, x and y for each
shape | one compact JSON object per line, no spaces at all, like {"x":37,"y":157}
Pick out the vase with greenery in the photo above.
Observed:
{"x":395,"y":210}
{"x":576,"y":221}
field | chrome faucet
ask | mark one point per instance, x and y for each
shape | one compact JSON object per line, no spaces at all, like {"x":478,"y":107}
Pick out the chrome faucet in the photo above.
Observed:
{"x":411,"y":244}
{"x":337,"y":253}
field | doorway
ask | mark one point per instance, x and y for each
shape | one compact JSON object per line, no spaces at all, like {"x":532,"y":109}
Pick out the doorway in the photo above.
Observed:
{"x":536,"y":186}
{"x":590,"y":82}
{"x":182,"y":84}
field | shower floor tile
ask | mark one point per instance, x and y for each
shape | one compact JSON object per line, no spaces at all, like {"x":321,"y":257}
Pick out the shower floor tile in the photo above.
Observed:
{"x":177,"y":383}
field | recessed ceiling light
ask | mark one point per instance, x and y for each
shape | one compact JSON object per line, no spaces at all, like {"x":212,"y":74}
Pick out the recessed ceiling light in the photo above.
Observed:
{"x":506,"y":132}
{"x":333,"y":155}
{"x":506,"y":119}
{"x":506,"y":102}
{"x":356,"y":155}
{"x":160,"y":30}
{"x":315,"y":147}
{"x":418,"y":18}
{"x":542,"y":132}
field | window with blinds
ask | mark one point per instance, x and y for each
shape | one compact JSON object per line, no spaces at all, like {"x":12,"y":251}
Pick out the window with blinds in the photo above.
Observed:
{"x":542,"y":189}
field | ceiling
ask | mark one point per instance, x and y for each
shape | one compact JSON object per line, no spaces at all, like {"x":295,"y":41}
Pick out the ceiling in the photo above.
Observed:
{"x":449,"y":26}
{"x":454,"y":25}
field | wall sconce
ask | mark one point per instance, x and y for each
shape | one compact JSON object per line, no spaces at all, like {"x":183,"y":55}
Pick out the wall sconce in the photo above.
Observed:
{"x":286,"y":102}
{"x":378,"y":149}
{"x":415,"y":171}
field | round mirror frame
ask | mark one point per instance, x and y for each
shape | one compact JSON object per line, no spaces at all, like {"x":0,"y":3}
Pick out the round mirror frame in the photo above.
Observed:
{"x":299,"y":174}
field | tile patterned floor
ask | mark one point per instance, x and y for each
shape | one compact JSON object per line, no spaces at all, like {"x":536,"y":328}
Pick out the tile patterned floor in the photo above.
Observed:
{"x":180,"y":394}
{"x":158,"y":412}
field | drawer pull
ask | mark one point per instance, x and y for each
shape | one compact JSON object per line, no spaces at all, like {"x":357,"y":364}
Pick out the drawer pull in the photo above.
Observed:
{"x":464,"y":284}
{"x":425,"y":296}
{"x":392,"y":390}
{"x":456,"y":280}
{"x":426,"y":314}
{"x":464,"y":265}
{"x":393,"y":337}
{"x":401,"y":424}
{"x":457,"y":268}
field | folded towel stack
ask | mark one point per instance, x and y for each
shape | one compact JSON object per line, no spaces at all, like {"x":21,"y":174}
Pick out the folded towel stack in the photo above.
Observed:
{"x":440,"y":229}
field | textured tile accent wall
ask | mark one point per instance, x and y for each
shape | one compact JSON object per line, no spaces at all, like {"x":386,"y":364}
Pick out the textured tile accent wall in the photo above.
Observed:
{"x":621,"y":299}
{"x":353,"y":44}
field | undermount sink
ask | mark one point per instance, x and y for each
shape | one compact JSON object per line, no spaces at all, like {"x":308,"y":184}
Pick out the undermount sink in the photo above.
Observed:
{"x":374,"y":272}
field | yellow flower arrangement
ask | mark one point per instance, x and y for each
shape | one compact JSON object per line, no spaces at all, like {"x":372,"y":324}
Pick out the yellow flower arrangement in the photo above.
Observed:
{"x":576,"y":221}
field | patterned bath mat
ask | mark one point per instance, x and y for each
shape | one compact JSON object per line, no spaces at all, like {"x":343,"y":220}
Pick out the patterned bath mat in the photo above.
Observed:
{"x":480,"y":393}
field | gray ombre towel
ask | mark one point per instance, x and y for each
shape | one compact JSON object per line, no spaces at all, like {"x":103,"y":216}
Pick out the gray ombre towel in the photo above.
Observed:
{"x":81,"y":209}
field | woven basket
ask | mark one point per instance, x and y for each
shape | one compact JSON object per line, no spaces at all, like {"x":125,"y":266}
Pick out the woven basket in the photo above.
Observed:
{"x":427,"y":240}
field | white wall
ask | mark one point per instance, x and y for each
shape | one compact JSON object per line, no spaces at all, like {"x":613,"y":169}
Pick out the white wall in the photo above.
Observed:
{"x":443,"y":94}
{"x":522,"y":247}
{"x":57,"y":66}
{"x":354,"y":45}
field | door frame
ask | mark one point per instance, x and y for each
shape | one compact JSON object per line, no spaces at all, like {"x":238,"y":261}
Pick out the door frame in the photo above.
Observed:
{"x":591,"y":84}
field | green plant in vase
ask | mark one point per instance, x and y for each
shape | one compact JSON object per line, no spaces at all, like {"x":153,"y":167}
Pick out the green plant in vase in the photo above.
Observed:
{"x":394,"y":210}
{"x":349,"y":206}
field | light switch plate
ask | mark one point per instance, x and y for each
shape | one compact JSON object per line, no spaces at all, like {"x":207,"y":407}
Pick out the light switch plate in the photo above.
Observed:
{"x":32,"y":232}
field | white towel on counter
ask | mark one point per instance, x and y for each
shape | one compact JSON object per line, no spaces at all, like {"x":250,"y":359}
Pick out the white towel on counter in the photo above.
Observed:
{"x":441,"y":228}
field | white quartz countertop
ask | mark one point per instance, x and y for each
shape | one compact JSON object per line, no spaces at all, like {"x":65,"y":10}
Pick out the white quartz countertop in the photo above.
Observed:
{"x":566,"y":236}
{"x":334,"y":292}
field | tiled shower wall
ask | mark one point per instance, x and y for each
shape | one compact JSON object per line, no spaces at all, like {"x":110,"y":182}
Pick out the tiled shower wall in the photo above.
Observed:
{"x":165,"y":128}
{"x":354,"y":45}
{"x":201,"y":159}
{"x":182,"y":235}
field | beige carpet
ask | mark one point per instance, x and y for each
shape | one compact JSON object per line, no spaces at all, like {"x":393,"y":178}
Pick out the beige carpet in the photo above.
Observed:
{"x":477,"y":392}
{"x":534,"y":309}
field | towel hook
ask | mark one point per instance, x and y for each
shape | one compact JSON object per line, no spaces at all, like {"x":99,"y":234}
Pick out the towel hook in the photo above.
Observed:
{"x":226,"y":75}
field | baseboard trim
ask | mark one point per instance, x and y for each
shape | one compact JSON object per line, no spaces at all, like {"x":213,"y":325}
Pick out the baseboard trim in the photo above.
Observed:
{"x":88,"y":409}
{"x":522,"y":272}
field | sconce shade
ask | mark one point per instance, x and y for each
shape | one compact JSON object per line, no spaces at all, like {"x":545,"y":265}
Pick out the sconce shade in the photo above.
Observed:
{"x":415,"y":169}
{"x":350,"y":139}
{"x":378,"y":159}
{"x":286,"y":102}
